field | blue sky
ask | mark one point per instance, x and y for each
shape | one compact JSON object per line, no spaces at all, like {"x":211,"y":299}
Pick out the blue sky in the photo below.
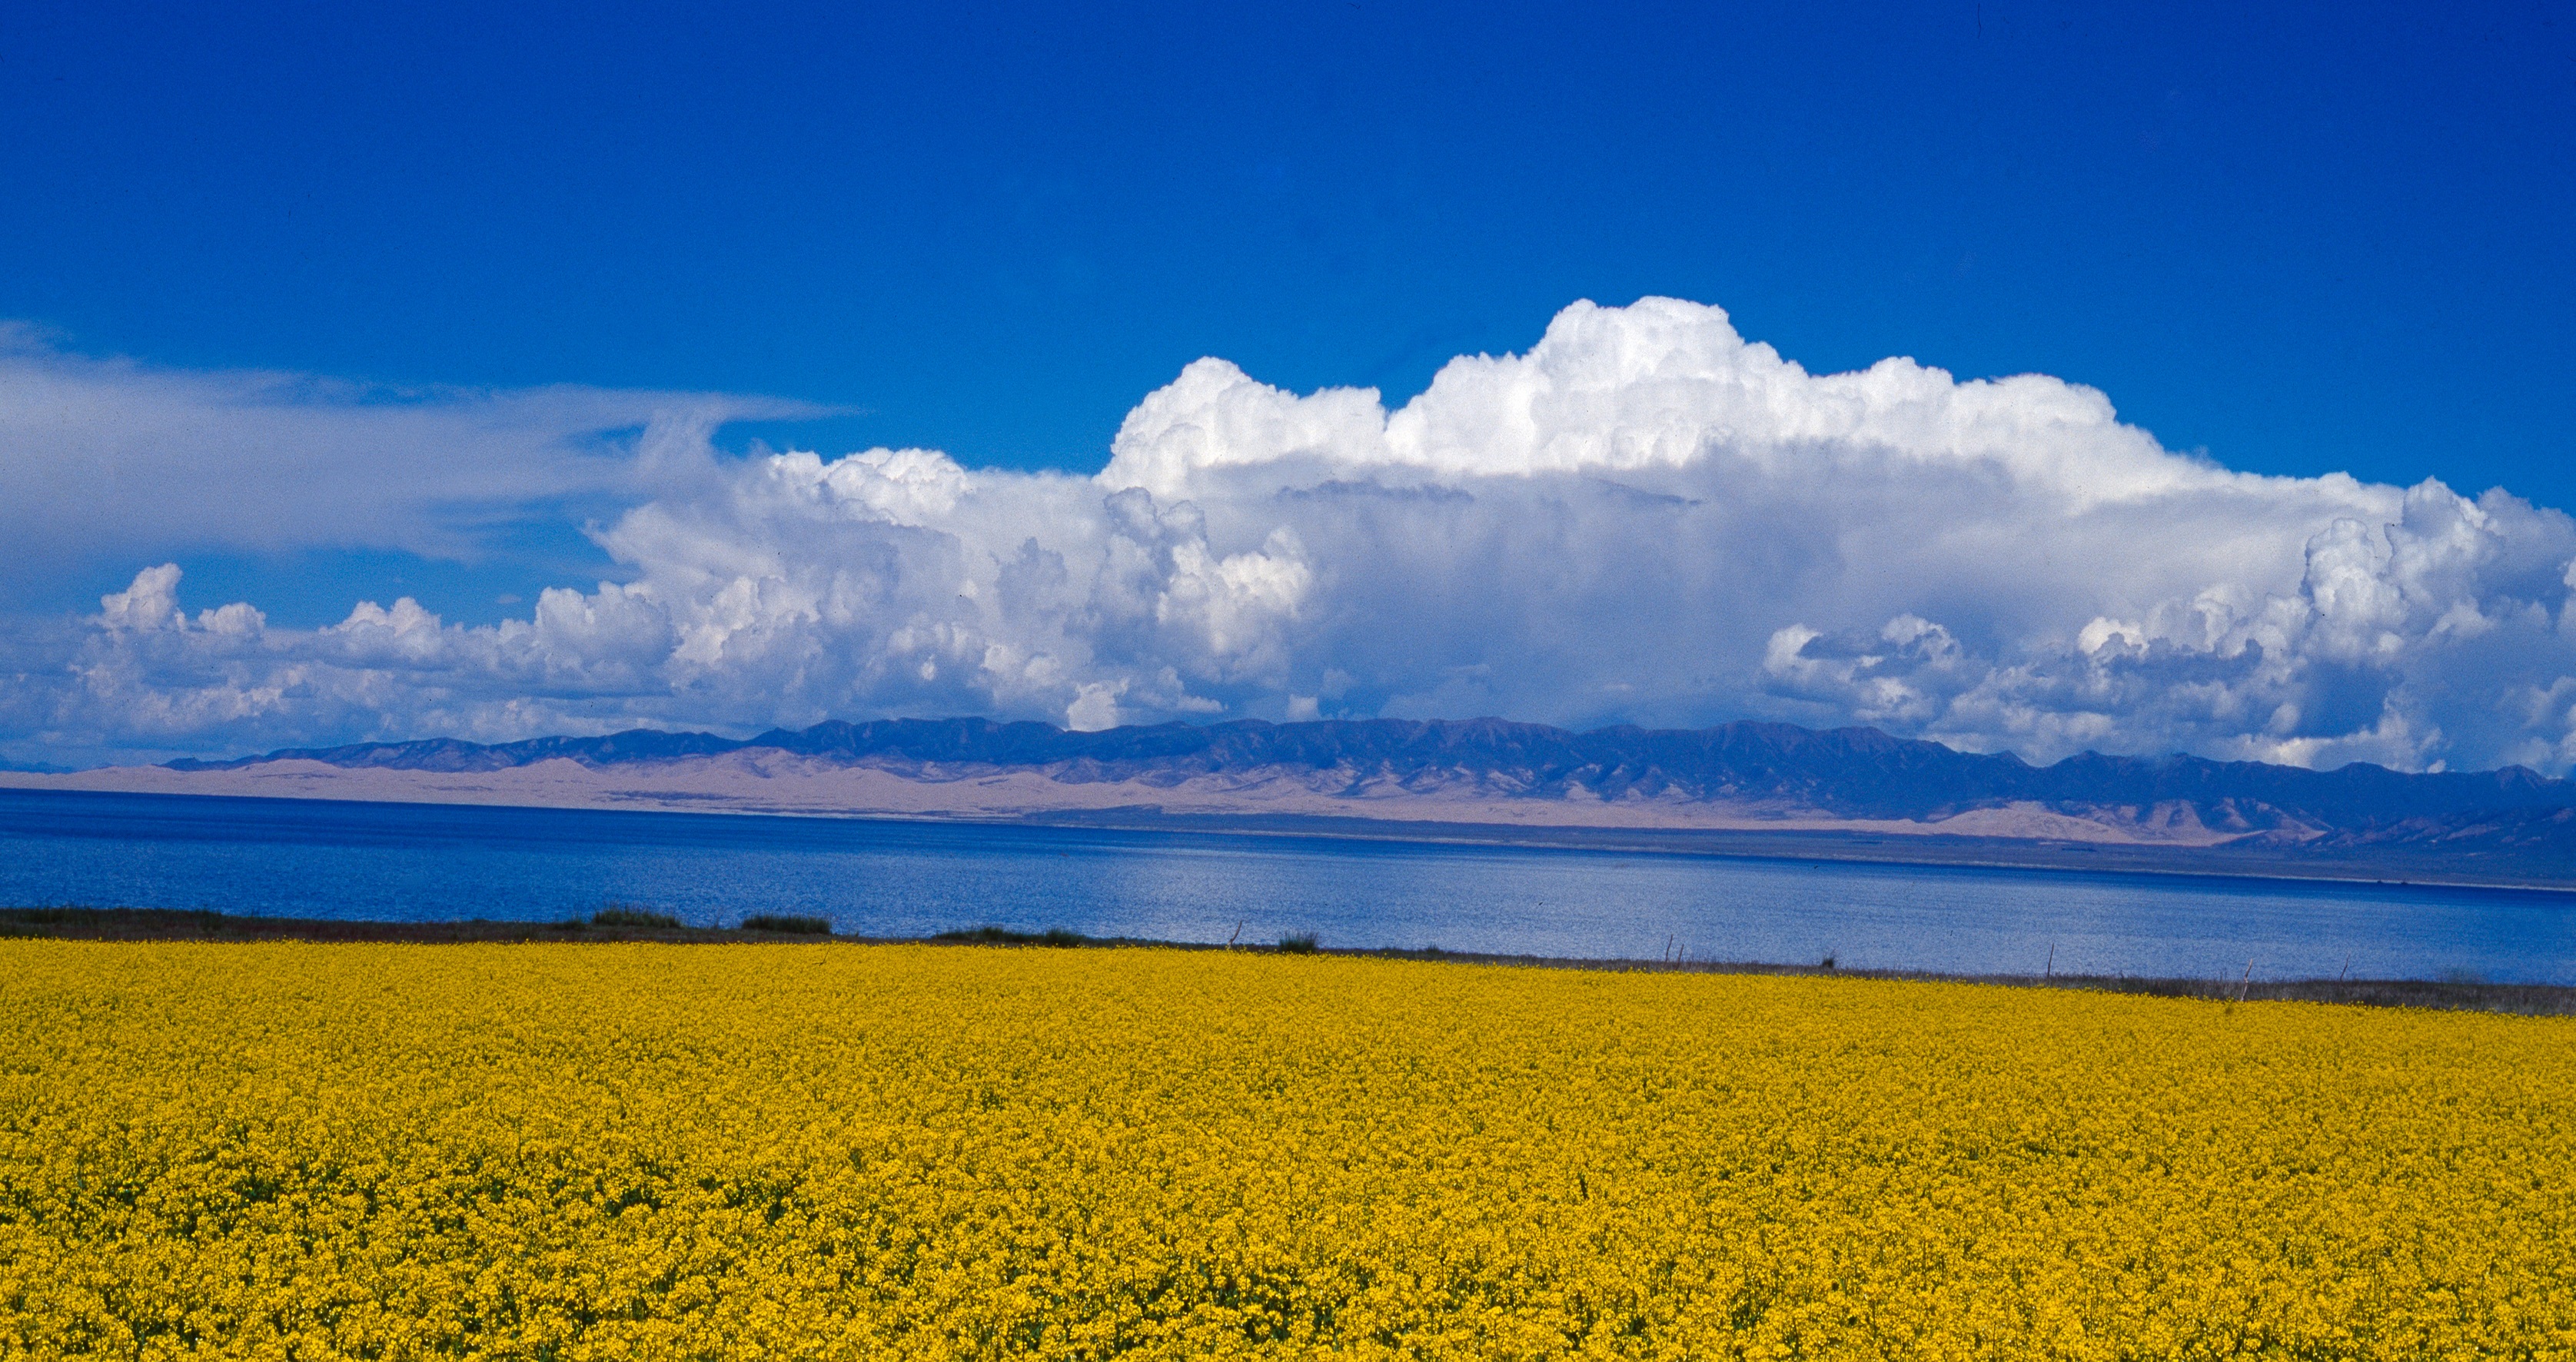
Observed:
{"x":2300,"y":239}
{"x":2306,"y":239}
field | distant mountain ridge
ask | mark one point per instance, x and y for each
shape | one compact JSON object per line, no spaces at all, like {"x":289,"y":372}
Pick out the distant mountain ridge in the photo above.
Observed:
{"x":1851,"y":773}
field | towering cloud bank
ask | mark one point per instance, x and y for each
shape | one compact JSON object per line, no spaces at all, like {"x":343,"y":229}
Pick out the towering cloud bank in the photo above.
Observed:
{"x":1644,"y":518}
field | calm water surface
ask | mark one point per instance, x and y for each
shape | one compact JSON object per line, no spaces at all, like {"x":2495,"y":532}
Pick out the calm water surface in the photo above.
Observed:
{"x":425,"y":862}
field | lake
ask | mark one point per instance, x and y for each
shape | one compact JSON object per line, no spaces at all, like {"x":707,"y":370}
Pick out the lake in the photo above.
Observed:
{"x":416,"y":862}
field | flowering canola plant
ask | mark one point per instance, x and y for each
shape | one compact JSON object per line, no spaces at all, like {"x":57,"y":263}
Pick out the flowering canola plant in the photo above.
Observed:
{"x":838,"y":1151}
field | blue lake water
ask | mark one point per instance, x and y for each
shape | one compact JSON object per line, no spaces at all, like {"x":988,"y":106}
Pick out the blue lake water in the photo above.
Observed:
{"x":426,"y":862}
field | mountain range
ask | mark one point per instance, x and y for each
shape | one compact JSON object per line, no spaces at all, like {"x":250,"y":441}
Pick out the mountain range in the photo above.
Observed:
{"x":1857,"y":772}
{"x":1752,"y":788}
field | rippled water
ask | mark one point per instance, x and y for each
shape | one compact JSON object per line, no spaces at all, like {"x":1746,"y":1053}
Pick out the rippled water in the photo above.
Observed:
{"x":425,"y":862}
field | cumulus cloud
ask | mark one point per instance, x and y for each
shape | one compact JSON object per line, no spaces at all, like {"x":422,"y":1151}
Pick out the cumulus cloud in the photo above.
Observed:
{"x":1644,"y":518}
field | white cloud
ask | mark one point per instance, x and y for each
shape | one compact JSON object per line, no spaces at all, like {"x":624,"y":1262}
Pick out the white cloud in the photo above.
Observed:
{"x":1643,"y":518}
{"x":104,"y":459}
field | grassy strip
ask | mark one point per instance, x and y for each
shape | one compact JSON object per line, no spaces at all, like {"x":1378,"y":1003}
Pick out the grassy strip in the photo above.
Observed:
{"x":613,"y":923}
{"x":621,"y":923}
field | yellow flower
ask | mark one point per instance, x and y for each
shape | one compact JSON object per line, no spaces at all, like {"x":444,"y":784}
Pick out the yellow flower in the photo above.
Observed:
{"x":836,"y":1151}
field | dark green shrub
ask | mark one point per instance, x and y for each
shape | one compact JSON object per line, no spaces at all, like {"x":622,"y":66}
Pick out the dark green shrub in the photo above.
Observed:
{"x":990,"y":936}
{"x":1004,"y":936}
{"x":1303,"y":943}
{"x":787,"y":922}
{"x":627,"y":915}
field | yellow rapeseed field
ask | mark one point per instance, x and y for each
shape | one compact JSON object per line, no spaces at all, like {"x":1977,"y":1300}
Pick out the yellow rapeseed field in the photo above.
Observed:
{"x":830,"y":1151}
